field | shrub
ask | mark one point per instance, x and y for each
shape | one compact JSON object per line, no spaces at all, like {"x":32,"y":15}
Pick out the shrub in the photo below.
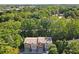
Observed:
{"x":5,"y":49}
{"x":61,"y":45}
{"x":52,"y":49}
{"x":73,"y":47}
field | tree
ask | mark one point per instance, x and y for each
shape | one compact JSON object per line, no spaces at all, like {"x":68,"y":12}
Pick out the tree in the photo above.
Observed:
{"x":58,"y":28}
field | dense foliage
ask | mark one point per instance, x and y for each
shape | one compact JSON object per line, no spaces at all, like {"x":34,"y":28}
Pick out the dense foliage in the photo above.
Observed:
{"x":58,"y":22}
{"x":64,"y":47}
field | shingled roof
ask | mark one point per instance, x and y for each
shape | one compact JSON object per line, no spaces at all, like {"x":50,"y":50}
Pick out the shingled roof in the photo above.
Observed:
{"x":35,"y":40}
{"x":41,"y":40}
{"x":31,"y":40}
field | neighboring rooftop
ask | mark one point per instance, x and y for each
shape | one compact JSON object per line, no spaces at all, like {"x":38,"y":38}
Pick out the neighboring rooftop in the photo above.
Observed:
{"x":35,"y":40}
{"x":31,"y":40}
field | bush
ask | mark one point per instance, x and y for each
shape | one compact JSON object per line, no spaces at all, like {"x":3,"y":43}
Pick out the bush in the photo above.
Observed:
{"x":5,"y":49}
{"x":61,"y":45}
{"x":10,"y":50}
{"x":73,"y":47}
{"x":52,"y":49}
